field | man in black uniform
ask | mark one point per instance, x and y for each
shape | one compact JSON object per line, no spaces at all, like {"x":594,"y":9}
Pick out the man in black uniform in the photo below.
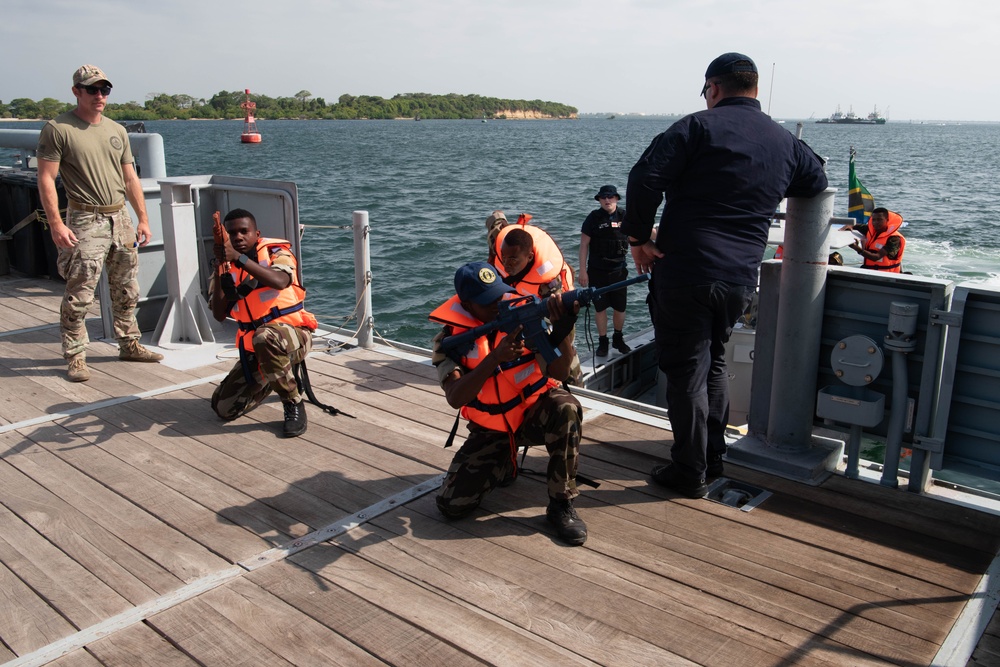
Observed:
{"x":603,"y":249}
{"x":723,"y":172}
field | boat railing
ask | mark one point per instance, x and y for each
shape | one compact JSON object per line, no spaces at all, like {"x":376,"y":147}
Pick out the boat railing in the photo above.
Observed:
{"x":147,"y":148}
{"x":947,"y":412}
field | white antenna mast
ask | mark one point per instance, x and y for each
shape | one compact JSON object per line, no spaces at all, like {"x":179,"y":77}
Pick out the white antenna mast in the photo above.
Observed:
{"x":770,"y":91}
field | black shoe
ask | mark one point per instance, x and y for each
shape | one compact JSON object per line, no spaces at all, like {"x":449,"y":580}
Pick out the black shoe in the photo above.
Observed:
{"x":669,"y":477}
{"x":570,"y":528}
{"x":509,"y":478}
{"x":618,"y":343}
{"x":602,"y":346}
{"x":451,"y":512}
{"x":714,"y":466}
{"x":295,"y":418}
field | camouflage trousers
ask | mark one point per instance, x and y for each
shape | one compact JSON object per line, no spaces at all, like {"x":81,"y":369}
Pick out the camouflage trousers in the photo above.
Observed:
{"x":104,"y":241}
{"x":486,"y":459}
{"x":278,"y":347}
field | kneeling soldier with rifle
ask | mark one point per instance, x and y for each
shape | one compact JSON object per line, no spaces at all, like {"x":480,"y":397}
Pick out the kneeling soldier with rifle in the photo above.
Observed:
{"x":510,"y":396}
{"x":257,"y":284}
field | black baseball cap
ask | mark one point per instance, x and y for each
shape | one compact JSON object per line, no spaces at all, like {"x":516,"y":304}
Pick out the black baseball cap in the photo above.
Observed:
{"x":730,"y":63}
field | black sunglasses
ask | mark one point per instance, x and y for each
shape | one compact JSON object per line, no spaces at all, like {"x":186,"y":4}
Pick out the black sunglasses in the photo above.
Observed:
{"x":93,"y":90}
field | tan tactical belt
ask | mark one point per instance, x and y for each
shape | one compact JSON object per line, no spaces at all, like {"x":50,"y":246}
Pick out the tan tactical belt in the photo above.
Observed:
{"x":90,"y":208}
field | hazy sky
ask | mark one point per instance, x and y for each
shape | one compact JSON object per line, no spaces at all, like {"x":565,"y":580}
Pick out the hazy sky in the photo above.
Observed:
{"x":914,"y":59}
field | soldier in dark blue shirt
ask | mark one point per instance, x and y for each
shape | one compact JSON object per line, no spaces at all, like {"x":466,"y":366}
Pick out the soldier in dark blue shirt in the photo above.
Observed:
{"x":723,"y":172}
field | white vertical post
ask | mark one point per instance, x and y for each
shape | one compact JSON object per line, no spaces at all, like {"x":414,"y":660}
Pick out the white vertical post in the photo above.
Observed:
{"x":185,"y":319}
{"x":363,"y":279}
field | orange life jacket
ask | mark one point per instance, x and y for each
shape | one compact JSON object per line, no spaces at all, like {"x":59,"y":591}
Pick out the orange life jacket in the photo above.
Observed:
{"x":875,"y":242}
{"x":264,"y":304}
{"x":548,"y":265}
{"x":515,"y":386}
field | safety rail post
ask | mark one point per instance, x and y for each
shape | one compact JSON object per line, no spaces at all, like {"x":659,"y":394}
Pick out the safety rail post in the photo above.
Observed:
{"x":785,"y":443}
{"x":800,"y":320}
{"x":363,"y":280}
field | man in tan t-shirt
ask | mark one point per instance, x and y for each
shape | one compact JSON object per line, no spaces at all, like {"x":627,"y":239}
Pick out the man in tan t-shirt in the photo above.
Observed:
{"x":93,"y":156}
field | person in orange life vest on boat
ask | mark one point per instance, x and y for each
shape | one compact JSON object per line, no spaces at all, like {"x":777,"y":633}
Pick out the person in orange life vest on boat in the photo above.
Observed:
{"x":263,"y":294}
{"x":883,"y":246}
{"x":511,"y":398}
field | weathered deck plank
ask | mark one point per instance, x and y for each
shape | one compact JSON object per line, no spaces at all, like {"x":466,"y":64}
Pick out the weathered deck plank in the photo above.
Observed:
{"x":287,"y":631}
{"x":390,"y":637}
{"x":136,"y":644}
{"x":988,"y":650}
{"x":690,"y":589}
{"x":130,"y":572}
{"x":126,"y":518}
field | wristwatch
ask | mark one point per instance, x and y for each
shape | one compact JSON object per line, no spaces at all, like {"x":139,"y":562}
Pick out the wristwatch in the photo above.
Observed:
{"x":241,"y":261}
{"x":635,"y":243}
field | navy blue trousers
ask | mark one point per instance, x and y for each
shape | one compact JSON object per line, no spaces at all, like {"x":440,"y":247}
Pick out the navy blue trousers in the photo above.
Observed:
{"x":692,"y":325}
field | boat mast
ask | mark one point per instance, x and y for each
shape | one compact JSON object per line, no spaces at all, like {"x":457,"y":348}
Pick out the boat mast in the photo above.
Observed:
{"x":770,"y":91}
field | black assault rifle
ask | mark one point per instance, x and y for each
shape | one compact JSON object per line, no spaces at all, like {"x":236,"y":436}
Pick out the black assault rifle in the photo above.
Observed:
{"x":530,"y":312}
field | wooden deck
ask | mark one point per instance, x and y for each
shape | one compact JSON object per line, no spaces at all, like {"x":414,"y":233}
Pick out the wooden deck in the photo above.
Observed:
{"x":137,"y":529}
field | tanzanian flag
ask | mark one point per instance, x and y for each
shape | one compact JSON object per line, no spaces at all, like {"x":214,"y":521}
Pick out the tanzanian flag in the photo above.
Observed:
{"x":859,"y":201}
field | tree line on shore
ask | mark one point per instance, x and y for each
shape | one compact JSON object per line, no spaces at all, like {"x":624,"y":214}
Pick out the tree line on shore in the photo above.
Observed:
{"x":225,"y":104}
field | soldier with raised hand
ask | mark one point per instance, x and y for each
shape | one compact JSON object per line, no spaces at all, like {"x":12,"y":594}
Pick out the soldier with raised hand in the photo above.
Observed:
{"x":259,"y":287}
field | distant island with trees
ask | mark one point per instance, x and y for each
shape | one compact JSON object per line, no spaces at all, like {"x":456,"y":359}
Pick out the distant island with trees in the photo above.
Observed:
{"x":226,"y":105}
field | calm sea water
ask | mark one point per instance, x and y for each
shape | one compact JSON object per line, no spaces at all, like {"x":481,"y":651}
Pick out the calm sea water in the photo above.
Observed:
{"x":429,"y":186}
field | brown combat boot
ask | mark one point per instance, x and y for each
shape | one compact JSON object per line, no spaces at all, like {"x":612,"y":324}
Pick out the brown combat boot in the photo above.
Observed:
{"x":78,"y":371}
{"x":131,"y":350}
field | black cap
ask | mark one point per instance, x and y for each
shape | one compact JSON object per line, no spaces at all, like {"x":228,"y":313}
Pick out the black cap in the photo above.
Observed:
{"x":729,"y":63}
{"x":607,"y":190}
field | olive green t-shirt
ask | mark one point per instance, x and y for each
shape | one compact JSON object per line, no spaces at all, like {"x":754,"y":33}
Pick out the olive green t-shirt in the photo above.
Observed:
{"x":90,"y":157}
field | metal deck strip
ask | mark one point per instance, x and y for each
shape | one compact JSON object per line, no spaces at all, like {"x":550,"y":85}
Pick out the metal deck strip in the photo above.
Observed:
{"x":968,"y":630}
{"x":40,"y":327}
{"x":125,"y":619}
{"x":89,"y":407}
{"x":142,"y":612}
{"x":342,"y":526}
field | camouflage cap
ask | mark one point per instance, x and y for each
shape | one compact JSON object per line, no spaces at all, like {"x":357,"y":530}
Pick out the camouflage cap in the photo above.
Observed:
{"x":88,"y":75}
{"x":495,"y":218}
{"x":494,"y":224}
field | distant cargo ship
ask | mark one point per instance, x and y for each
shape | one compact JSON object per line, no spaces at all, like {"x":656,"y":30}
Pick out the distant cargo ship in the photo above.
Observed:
{"x":850,"y":118}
